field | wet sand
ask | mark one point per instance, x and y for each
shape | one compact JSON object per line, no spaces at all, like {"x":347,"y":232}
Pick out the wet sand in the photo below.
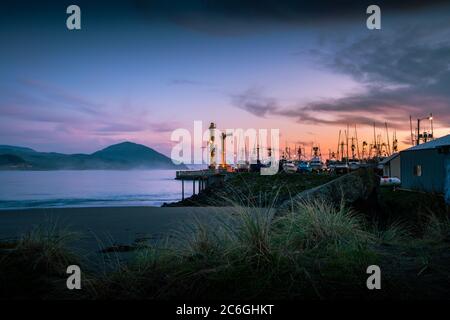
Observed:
{"x":101,"y":227}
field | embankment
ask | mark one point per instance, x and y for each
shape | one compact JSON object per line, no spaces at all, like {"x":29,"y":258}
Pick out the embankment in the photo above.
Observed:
{"x":356,"y":186}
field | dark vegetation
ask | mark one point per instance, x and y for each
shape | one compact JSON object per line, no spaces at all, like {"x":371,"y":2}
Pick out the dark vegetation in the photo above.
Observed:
{"x":255,"y":189}
{"x":319,"y":250}
{"x":10,"y":161}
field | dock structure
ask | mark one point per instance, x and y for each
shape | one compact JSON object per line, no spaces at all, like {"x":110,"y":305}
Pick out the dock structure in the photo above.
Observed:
{"x":204,"y":178}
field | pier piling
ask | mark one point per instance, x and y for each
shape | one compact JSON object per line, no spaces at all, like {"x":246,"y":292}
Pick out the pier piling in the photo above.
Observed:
{"x":205,"y":179}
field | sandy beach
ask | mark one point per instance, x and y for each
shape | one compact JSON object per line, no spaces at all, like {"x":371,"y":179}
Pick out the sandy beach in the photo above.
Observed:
{"x":101,"y":227}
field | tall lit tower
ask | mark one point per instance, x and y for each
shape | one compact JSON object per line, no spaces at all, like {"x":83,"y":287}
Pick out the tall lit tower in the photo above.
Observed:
{"x":212,"y":146}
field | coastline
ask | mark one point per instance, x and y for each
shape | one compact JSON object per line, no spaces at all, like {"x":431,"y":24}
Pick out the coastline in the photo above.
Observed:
{"x":101,"y":227}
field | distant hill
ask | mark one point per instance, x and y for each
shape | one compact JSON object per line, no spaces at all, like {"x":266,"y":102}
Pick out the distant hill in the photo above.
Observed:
{"x":10,"y":161}
{"x":122,"y":156}
{"x":6,"y":148}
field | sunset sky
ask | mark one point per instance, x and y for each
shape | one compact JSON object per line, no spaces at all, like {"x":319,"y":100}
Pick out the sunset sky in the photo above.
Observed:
{"x":140,"y":69}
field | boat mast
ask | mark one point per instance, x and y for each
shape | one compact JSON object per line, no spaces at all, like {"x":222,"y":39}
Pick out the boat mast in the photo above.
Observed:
{"x":357,"y":143}
{"x":339,"y":142}
{"x":346,"y":138}
{"x":387,"y":136}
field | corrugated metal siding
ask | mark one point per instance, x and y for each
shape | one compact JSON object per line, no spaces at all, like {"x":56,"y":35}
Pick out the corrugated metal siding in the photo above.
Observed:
{"x":395,"y":168}
{"x":433,"y":166}
{"x":392,"y":168}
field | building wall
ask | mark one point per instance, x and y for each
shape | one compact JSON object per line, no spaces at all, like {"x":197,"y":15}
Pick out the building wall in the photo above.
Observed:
{"x":395,"y":168}
{"x":387,"y":170}
{"x":447,"y":181}
{"x":392,"y":168}
{"x":433,"y":167}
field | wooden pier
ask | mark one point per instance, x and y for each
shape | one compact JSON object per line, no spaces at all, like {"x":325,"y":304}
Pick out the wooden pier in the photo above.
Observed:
{"x":204,"y":178}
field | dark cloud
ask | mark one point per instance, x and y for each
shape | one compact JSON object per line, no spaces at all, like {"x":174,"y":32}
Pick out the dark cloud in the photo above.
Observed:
{"x":254,"y":103}
{"x":284,"y":11}
{"x":221,"y":17}
{"x":406,"y":72}
{"x":236,"y":17}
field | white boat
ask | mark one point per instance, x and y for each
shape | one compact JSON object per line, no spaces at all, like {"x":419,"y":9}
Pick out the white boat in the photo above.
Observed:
{"x":242,"y":166}
{"x":340,"y":167}
{"x":289,"y":167}
{"x":331,"y":164}
{"x":316,"y":164}
{"x":354,"y":164}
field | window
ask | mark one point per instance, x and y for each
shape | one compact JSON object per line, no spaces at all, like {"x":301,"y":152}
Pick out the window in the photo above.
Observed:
{"x":418,"y":170}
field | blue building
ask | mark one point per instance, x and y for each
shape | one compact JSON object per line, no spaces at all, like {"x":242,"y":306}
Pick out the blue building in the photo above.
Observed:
{"x":426,"y":167}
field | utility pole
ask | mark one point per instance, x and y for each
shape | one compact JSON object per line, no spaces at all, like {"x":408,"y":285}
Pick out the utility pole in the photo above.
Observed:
{"x":418,"y":132}
{"x":410,"y":126}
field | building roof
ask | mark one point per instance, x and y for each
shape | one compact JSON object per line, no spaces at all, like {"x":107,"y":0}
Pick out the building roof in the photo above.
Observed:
{"x":389,"y":159}
{"x":436,"y":143}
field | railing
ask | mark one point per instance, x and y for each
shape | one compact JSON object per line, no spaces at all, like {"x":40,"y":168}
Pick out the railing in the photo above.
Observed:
{"x":195,"y":174}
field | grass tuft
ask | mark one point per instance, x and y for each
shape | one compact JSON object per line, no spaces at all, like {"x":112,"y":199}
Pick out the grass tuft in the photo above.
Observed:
{"x":436,"y":229}
{"x":319,"y":225}
{"x":37,"y":263}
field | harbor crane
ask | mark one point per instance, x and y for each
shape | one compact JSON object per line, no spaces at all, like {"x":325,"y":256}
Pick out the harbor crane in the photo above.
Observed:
{"x":223,"y":164}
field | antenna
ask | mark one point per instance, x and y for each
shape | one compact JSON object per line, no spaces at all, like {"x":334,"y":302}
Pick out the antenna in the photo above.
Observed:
{"x":431,"y":125}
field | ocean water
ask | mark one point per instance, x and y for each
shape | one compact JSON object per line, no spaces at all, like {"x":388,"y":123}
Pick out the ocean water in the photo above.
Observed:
{"x":90,"y":188}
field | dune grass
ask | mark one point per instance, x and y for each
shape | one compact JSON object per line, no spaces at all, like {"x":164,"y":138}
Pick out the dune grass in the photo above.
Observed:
{"x":35,"y":265}
{"x":310,"y":253}
{"x":437,"y":229}
{"x":316,"y":251}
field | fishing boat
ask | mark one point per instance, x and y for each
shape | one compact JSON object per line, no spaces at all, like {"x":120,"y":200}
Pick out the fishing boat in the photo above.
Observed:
{"x":341,"y":167}
{"x":242,"y":166}
{"x":316,"y":162}
{"x":331,"y":163}
{"x":303,"y":167}
{"x":289,"y":167}
{"x":354,"y":164}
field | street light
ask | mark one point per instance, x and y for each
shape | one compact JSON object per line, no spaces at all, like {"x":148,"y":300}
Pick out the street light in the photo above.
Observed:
{"x":430,"y":117}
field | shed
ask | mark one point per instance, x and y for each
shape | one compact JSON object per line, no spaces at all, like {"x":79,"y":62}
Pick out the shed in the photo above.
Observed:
{"x":426,"y":167}
{"x":391,"y":166}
